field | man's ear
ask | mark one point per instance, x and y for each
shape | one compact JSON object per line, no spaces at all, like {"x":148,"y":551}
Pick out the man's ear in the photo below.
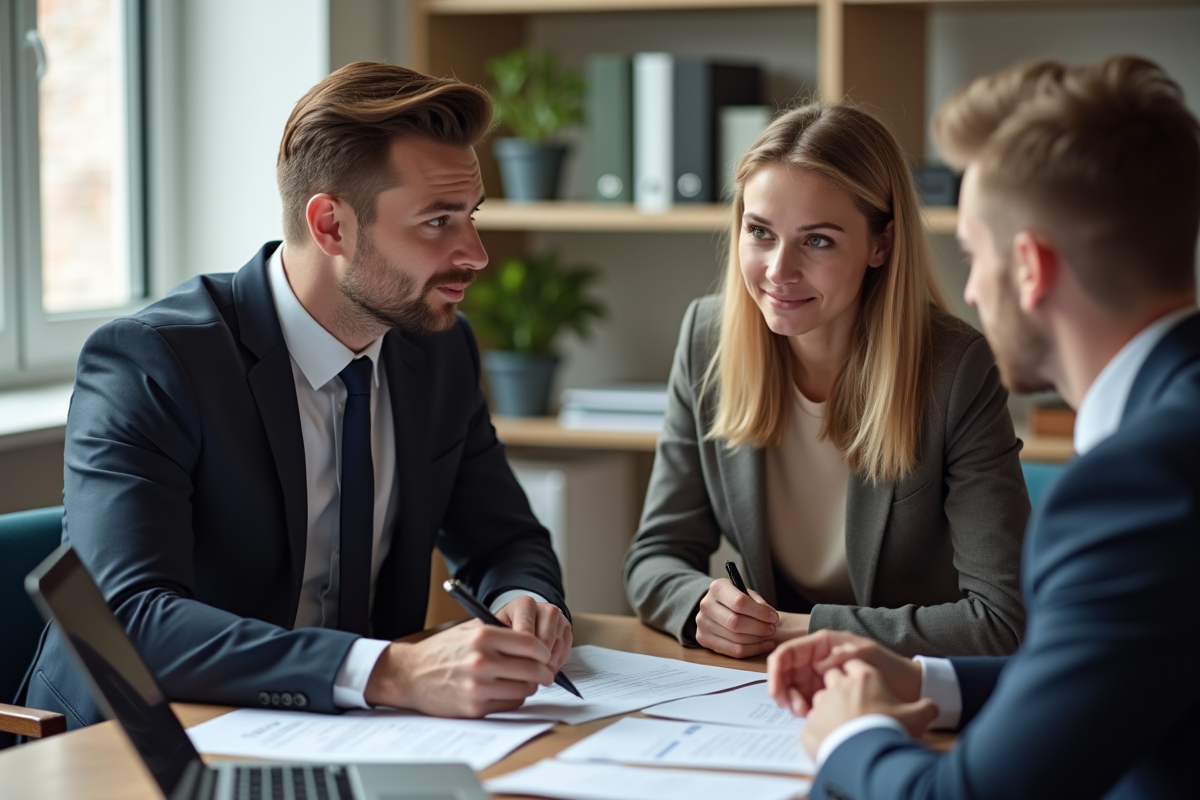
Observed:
{"x":1038,"y":266}
{"x":332,"y":224}
{"x":881,"y":248}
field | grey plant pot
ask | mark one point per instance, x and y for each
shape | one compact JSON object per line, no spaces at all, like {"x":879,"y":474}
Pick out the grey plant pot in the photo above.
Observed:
{"x":529,"y":170}
{"x":519,"y":382}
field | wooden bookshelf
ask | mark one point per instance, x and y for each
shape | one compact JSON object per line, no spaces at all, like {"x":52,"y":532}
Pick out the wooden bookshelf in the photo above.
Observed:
{"x":564,"y":215}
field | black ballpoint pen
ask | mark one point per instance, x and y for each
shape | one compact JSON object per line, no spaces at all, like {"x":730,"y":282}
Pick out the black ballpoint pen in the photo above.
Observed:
{"x":736,"y":577}
{"x":478,"y":610}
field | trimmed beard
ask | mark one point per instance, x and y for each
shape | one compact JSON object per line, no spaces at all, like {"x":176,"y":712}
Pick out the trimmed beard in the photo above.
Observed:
{"x":389,"y":296}
{"x":1020,"y":348}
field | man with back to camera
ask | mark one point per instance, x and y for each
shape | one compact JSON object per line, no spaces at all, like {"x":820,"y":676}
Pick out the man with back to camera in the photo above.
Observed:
{"x":259,"y":465}
{"x":1079,"y":213}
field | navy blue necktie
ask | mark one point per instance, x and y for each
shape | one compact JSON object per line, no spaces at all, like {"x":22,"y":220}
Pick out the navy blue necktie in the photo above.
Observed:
{"x":357,"y":498}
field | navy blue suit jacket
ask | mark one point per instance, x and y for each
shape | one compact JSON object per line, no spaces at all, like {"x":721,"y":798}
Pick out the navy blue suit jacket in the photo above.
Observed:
{"x":1102,"y":699}
{"x":186,"y":497}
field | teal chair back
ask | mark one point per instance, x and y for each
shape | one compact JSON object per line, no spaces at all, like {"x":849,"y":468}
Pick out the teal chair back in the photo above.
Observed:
{"x":26,"y":537}
{"x":1038,"y":477}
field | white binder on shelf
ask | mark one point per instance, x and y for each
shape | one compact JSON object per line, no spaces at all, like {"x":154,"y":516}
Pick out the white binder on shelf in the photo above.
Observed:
{"x":653,"y":131}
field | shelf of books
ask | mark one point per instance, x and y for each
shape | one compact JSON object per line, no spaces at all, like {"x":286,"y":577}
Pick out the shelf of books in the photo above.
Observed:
{"x":564,"y":215}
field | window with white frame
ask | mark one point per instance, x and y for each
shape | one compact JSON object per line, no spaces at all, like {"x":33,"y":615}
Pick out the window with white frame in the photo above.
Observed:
{"x":72,"y":163}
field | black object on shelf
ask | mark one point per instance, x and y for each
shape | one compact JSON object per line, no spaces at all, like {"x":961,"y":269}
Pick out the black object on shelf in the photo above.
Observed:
{"x":701,"y":89}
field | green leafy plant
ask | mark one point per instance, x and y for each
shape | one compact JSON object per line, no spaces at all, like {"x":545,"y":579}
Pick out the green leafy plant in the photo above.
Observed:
{"x":534,"y":96}
{"x":527,"y":301}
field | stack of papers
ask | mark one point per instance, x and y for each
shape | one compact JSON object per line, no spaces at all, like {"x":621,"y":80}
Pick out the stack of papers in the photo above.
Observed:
{"x":552,"y":778}
{"x":361,"y":737}
{"x":615,"y":682}
{"x":694,"y":744}
{"x":749,"y":706}
{"x":629,"y":407}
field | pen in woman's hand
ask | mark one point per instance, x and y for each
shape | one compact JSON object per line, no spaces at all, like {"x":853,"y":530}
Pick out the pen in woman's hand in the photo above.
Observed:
{"x":736,"y":577}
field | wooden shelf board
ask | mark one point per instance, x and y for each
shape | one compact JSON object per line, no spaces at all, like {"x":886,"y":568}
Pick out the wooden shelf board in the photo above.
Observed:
{"x":546,"y":432}
{"x":1052,"y":449}
{"x":452,"y":7}
{"x":567,"y":215}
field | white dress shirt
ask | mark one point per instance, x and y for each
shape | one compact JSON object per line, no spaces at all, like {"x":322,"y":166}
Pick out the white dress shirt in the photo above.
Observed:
{"x":1098,"y":418}
{"x":317,"y":358}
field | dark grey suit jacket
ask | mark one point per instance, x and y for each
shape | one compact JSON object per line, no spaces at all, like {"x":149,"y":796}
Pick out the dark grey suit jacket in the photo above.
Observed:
{"x":934,"y":559}
{"x":186,"y":498}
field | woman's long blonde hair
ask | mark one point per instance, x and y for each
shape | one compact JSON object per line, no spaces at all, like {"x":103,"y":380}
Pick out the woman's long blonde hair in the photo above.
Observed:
{"x":875,"y":409}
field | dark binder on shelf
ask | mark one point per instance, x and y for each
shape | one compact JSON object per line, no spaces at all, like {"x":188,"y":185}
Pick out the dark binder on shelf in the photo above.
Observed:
{"x":610,"y":127}
{"x":701,"y":88}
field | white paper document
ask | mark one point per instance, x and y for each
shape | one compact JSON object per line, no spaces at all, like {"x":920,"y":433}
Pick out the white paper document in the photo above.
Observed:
{"x":693,"y":744}
{"x":616,"y":682}
{"x":560,"y":779}
{"x":364,"y":737}
{"x":750,"y":706}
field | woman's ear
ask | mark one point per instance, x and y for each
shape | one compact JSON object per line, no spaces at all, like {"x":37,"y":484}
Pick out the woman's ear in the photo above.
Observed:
{"x":881,"y":245}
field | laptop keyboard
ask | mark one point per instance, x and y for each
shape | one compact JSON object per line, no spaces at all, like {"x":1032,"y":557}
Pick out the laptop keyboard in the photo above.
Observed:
{"x":291,"y":783}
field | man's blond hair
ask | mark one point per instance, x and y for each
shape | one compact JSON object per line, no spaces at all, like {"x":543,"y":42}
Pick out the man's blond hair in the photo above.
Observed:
{"x":1102,"y":158}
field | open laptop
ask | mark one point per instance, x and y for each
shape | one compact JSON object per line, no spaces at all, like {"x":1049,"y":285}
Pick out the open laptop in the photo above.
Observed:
{"x":125,"y":689}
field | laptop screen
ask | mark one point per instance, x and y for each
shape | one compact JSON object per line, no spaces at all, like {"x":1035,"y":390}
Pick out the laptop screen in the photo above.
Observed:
{"x":122,"y":684}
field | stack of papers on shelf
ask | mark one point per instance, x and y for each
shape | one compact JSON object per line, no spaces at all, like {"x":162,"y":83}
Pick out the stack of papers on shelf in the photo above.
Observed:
{"x":614,"y":682}
{"x":553,"y":778}
{"x":627,"y":407}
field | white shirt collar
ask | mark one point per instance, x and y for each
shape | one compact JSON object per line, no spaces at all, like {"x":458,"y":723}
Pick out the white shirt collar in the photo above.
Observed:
{"x":1104,"y":402}
{"x":316,"y":351}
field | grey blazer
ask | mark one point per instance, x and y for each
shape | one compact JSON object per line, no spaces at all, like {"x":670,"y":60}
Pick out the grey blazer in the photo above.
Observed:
{"x":934,"y":559}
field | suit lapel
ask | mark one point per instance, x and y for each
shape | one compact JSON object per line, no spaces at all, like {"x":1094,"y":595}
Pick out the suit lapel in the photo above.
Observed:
{"x":403,"y":591}
{"x":273,"y":386}
{"x":867,"y":510}
{"x":743,"y":476}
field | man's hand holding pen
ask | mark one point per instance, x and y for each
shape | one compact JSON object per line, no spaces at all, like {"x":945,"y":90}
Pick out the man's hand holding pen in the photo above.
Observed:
{"x":475,"y":669}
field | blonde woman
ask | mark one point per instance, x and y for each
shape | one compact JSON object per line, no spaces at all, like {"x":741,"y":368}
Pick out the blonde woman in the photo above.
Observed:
{"x":832,"y":420}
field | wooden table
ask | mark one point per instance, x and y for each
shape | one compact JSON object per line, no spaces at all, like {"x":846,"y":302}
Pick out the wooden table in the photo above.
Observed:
{"x":99,"y":763}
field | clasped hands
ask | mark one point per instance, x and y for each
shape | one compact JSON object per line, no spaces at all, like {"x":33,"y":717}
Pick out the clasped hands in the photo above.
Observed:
{"x":833,"y":677}
{"x":473,"y":669}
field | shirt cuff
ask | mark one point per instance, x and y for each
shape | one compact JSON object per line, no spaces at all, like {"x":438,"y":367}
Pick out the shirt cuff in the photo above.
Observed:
{"x":939,"y":683}
{"x":852,"y":728}
{"x":512,"y":594}
{"x":351,"y":680}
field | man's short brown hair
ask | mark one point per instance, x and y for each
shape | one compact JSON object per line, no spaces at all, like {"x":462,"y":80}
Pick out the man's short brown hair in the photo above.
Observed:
{"x":1104,"y":158}
{"x":338,"y":137}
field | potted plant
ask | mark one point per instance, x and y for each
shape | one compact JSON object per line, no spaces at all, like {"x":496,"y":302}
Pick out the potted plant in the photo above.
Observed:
{"x":534,"y":98}
{"x":518,"y":313}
